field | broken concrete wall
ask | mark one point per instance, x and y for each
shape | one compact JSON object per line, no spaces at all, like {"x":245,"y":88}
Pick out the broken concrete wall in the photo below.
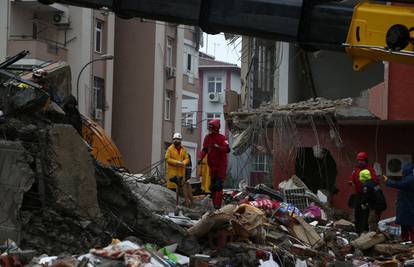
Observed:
{"x":73,"y":175}
{"x":16,"y":178}
{"x":127,"y":212}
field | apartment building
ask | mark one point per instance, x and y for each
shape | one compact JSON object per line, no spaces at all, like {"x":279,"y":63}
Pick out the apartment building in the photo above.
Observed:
{"x":65,"y":33}
{"x":154,"y":72}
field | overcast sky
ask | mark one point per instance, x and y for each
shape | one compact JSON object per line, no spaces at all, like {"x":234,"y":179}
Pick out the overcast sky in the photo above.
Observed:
{"x":217,"y":46}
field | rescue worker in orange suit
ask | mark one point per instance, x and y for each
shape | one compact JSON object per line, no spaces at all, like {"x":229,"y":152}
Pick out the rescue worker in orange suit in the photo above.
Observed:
{"x":177,"y":159}
{"x":216,"y":146}
{"x":361,"y":215}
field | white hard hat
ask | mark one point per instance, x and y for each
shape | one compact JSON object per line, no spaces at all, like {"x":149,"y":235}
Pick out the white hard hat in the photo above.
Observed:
{"x":177,"y":136}
{"x":39,"y":73}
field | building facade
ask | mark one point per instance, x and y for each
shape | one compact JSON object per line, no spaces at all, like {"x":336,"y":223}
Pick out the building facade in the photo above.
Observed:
{"x":64,"y":33}
{"x":218,"y":81}
{"x":154,"y":71}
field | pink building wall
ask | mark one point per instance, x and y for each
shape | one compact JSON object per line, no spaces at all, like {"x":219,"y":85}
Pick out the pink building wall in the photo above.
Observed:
{"x":392,"y":139}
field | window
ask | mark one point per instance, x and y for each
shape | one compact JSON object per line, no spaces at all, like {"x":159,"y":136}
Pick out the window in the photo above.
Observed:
{"x":98,"y":93}
{"x":188,"y":119}
{"x":189,"y":61}
{"x":98,"y":99}
{"x":261,"y":163}
{"x":98,"y":36}
{"x":215,"y":84}
{"x":211,"y":116}
{"x":167,"y":106}
{"x":169,"y":52}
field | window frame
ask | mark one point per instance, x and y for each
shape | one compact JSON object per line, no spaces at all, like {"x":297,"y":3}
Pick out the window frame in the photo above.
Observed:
{"x":169,"y":59}
{"x":214,"y":116}
{"x":215,"y":80}
{"x":98,"y":31}
{"x":167,"y":106}
{"x":97,"y":81}
{"x":262,"y":163}
{"x":189,"y":63}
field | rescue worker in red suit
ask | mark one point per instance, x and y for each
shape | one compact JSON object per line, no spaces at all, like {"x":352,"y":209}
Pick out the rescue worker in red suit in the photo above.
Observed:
{"x":361,"y":215}
{"x":217,"y":147}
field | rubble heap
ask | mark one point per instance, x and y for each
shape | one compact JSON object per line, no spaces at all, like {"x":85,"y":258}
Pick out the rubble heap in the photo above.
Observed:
{"x":57,"y":199}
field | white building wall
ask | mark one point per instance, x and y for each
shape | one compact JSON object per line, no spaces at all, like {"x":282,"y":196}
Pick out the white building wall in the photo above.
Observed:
{"x":159,"y":74}
{"x":179,"y":79}
{"x":235,"y":82}
{"x":190,"y":48}
{"x":80,"y":53}
{"x":109,"y":80}
{"x":190,"y":104}
{"x":192,"y":151}
{"x":213,"y":107}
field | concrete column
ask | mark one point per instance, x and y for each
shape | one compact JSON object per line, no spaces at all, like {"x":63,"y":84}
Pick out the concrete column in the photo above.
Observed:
{"x":159,"y":78}
{"x":245,"y":64}
{"x":80,"y":53}
{"x":179,"y":78}
{"x":284,"y":73}
{"x":109,"y":80}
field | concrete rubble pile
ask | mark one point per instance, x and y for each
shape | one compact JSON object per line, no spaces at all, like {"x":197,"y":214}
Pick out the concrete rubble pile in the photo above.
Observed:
{"x":310,"y":107}
{"x":55,"y":197}
{"x":258,"y":228}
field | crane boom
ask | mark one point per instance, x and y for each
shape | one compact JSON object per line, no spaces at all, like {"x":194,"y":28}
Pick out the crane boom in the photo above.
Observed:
{"x":367,"y":31}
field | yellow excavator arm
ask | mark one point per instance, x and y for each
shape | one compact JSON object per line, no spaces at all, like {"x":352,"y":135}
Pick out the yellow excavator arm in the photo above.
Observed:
{"x":380,"y":32}
{"x":103,"y":148}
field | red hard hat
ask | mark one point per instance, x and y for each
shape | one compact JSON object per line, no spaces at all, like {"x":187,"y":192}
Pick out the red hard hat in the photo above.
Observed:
{"x":215,"y":124}
{"x":362,"y":156}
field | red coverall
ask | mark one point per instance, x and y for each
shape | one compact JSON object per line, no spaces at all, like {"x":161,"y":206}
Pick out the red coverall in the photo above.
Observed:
{"x":217,"y":147}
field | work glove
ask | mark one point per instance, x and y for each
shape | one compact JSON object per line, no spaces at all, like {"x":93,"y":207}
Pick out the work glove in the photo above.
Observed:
{"x":179,"y":164}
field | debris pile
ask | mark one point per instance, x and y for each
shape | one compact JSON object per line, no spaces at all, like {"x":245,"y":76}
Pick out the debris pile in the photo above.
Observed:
{"x":257,"y":227}
{"x":56,"y":197}
{"x":312,"y":106}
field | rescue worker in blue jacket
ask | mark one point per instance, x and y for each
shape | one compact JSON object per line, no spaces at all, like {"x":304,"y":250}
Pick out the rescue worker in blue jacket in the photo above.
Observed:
{"x":405,"y":201}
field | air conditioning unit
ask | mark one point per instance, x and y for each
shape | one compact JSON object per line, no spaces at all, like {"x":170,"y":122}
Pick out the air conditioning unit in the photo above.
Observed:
{"x":395,"y":163}
{"x":213,"y":97}
{"x":61,"y":18}
{"x":98,"y":114}
{"x":171,"y":72}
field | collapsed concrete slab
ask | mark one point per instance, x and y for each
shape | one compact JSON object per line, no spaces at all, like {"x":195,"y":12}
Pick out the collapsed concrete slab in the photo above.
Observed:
{"x":16,"y":178}
{"x":129,"y":213}
{"x":73,"y":173}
